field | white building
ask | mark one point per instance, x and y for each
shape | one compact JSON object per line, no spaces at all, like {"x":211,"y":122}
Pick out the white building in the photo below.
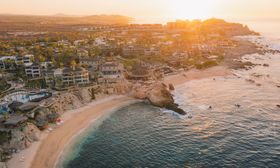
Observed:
{"x":53,"y":77}
{"x":6,"y":61}
{"x":82,"y":53}
{"x":33,"y":71}
{"x":112,"y":72}
{"x":26,"y":60}
{"x":77,"y":76}
{"x":46,"y":65}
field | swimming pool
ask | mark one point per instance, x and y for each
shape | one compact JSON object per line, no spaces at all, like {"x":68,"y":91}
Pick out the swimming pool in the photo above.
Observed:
{"x":24,"y":97}
{"x":3,"y":109}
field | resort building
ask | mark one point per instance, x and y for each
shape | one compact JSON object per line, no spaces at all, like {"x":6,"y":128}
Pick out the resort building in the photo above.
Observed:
{"x":46,"y":65}
{"x":49,"y":78}
{"x":131,"y":51}
{"x":75,"y":76}
{"x":139,"y":72}
{"x":91,"y":62}
{"x":33,"y":71}
{"x":24,"y":60}
{"x":112,"y":72}
{"x":6,"y":62}
{"x":53,"y":77}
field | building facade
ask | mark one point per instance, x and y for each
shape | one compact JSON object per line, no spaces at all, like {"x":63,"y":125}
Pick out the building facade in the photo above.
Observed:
{"x":75,"y":76}
{"x":33,"y":71}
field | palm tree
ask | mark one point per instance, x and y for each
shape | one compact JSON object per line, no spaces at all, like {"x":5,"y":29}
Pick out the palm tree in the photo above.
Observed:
{"x":73,"y":64}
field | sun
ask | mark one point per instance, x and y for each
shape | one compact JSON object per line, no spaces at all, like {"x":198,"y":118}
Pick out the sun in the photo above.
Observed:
{"x":192,"y":9}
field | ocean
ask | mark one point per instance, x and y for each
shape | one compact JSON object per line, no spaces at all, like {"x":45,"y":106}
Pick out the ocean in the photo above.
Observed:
{"x":241,"y":130}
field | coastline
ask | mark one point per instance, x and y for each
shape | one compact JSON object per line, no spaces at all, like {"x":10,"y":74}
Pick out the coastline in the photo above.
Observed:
{"x":48,"y":150}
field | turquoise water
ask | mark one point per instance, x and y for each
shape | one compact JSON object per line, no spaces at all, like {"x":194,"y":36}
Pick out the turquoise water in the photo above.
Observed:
{"x":225,"y":136}
{"x":3,"y":109}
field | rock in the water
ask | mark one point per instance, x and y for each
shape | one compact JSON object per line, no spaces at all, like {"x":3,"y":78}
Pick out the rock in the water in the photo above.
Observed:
{"x":160,"y":96}
{"x":175,"y":108}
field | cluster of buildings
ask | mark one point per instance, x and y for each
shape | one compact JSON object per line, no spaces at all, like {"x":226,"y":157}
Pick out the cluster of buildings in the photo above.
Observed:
{"x":98,"y":70}
{"x":171,"y":45}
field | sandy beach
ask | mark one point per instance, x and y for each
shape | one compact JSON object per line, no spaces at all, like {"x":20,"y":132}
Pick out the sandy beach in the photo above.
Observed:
{"x":195,"y":74}
{"x":46,"y":152}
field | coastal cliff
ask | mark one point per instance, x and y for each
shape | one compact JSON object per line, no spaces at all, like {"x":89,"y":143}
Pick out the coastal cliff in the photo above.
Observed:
{"x":70,"y":100}
{"x":14,"y":140}
{"x":19,"y":136}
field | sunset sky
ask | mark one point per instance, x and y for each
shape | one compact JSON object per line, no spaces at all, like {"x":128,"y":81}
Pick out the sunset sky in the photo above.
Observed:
{"x":148,"y":9}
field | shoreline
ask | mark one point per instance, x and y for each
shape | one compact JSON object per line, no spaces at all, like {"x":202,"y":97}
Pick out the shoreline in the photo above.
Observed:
{"x":94,"y":122}
{"x":47,"y":152}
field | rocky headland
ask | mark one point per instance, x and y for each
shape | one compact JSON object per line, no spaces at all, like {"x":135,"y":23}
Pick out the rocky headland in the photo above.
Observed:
{"x":158,"y":94}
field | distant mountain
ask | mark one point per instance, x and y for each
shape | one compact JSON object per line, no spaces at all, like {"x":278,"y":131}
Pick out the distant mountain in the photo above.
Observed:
{"x":62,"y":15}
{"x":59,"y":19}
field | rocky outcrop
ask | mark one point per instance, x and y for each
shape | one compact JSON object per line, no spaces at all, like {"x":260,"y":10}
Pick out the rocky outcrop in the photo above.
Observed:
{"x":140,"y":92}
{"x":160,"y":96}
{"x":71,"y":100}
{"x":43,"y":116}
{"x":22,"y":137}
